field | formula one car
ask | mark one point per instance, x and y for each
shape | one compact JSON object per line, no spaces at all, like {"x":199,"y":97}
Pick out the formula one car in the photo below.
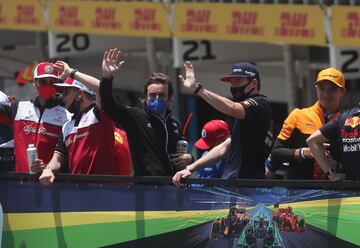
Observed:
{"x":287,"y":221}
{"x":261,"y":231}
{"x":229,"y":227}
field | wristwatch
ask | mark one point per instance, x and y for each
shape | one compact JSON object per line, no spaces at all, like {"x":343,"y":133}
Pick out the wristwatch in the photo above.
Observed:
{"x":330,"y":172}
{"x":198,"y":88}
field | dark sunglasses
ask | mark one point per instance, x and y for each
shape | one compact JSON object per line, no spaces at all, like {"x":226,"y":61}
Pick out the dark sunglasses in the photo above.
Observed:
{"x":62,"y":91}
{"x":43,"y":81}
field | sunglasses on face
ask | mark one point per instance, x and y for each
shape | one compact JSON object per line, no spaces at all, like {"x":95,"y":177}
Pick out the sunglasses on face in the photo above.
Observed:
{"x":43,"y":81}
{"x":63,"y":91}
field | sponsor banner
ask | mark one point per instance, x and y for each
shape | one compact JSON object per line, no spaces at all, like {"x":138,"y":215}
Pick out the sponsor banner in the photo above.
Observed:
{"x":25,"y":15}
{"x":146,"y":19}
{"x":93,"y":17}
{"x":294,"y":24}
{"x":346,"y":26}
{"x":250,"y":22}
{"x":98,"y":215}
{"x":199,"y":21}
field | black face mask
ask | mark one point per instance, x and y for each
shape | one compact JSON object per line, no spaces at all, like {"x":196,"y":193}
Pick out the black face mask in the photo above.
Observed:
{"x":239,"y":92}
{"x":74,"y":107}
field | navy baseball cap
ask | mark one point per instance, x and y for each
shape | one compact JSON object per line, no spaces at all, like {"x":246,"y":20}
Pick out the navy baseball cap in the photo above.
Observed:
{"x":242,"y":69}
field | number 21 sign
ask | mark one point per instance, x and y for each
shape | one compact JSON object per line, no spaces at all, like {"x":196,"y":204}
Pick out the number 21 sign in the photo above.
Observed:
{"x":347,"y":60}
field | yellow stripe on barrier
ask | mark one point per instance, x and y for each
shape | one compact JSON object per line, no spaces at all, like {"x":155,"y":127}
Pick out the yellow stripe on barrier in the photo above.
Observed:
{"x":25,"y":221}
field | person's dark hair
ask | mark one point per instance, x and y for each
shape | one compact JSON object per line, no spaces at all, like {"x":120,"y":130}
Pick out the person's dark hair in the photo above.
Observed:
{"x":258,"y":78}
{"x":156,"y":78}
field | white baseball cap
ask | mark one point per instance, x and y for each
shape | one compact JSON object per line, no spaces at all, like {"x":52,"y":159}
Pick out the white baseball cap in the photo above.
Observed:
{"x":70,"y":82}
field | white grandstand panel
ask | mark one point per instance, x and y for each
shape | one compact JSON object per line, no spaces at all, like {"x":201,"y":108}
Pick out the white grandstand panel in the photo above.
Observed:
{"x":206,"y":51}
{"x":347,"y":59}
{"x":79,"y":44}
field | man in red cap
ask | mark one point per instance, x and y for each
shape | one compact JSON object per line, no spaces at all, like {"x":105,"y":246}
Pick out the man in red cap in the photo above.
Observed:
{"x":213,"y":133}
{"x":37,"y":121}
{"x":251,"y":138}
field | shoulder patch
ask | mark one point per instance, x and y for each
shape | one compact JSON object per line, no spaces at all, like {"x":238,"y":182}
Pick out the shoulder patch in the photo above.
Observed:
{"x":249,"y":102}
{"x":118,"y":138}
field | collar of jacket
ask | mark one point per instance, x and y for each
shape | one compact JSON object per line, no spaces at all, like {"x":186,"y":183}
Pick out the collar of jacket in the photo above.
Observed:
{"x":48,"y":103}
{"x":168,"y":112}
{"x":78,"y":116}
{"x":319,"y":111}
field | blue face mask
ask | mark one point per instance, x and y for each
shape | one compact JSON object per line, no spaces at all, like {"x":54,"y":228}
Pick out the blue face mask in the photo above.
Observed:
{"x":156,"y":106}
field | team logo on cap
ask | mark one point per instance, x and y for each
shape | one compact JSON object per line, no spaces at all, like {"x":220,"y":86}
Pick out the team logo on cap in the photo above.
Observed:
{"x":78,"y":84}
{"x":49,"y":69}
{"x":203,"y":133}
{"x":246,"y":72}
{"x":330,"y":75}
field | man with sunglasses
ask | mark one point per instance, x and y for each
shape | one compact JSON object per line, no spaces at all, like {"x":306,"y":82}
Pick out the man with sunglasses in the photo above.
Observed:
{"x":87,"y":140}
{"x":37,"y":121}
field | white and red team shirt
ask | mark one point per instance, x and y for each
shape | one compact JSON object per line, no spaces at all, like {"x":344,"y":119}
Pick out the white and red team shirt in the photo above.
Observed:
{"x":33,"y":126}
{"x":88,"y":143}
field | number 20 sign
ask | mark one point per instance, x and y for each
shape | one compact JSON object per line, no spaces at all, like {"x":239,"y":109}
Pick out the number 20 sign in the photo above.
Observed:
{"x":80,"y":44}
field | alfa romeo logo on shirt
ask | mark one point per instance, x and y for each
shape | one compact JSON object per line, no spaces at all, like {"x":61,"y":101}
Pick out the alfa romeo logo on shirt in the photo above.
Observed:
{"x":49,"y":69}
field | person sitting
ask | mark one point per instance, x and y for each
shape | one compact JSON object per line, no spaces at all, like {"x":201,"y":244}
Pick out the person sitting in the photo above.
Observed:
{"x":213,"y":133}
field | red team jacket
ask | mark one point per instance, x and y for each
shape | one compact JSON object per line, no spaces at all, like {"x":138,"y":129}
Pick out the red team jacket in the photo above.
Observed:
{"x":31,"y":126}
{"x":88,"y":143}
{"x":122,"y":157}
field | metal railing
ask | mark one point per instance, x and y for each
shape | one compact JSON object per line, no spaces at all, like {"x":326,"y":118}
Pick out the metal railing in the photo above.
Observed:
{"x":300,"y":184}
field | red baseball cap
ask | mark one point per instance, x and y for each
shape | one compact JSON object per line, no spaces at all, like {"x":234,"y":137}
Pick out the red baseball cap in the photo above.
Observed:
{"x":45,"y":69}
{"x":212,"y":133}
{"x":70,"y":82}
